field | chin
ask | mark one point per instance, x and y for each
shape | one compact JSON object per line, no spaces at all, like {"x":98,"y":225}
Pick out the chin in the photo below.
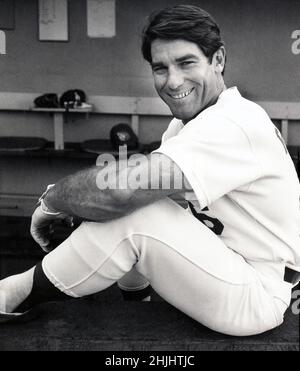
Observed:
{"x":184,"y":116}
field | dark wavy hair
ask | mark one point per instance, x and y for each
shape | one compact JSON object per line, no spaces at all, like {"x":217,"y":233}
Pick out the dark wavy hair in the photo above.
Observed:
{"x":185,"y":22}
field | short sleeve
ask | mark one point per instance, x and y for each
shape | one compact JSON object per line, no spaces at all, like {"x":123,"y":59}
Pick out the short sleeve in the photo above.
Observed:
{"x":215,"y":155}
{"x":173,"y":129}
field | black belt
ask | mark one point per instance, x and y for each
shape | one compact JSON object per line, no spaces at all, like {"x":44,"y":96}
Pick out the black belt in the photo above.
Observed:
{"x":291,"y":276}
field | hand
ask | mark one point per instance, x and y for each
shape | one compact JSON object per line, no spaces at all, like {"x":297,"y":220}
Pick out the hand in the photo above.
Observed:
{"x":42,"y":227}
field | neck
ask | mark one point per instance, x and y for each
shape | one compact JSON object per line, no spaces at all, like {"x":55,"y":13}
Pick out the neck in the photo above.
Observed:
{"x":210,"y":103}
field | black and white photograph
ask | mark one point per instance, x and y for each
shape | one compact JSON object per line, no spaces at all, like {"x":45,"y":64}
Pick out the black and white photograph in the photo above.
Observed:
{"x":149,"y":178}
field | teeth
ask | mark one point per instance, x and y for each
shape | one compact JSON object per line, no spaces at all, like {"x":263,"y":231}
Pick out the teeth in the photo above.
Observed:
{"x":182,"y":95}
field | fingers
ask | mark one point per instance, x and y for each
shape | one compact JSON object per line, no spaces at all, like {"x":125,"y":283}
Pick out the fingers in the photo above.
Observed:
{"x":68,"y":221}
{"x":41,"y":236}
{"x":42,"y":228}
{"x":46,"y":248}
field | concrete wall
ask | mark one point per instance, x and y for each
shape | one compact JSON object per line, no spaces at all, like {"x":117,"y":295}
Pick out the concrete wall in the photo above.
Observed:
{"x":263,"y":60}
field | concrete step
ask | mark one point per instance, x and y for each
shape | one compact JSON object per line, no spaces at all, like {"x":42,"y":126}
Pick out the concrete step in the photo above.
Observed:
{"x":104,"y":322}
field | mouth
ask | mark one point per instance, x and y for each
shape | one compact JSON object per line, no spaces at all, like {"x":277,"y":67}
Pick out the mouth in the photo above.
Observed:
{"x":181,"y":95}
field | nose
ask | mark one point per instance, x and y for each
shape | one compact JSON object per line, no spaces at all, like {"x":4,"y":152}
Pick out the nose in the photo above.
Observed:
{"x":175,"y":79}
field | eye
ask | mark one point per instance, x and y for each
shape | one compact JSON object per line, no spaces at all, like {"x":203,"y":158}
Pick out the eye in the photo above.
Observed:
{"x":186,"y":64}
{"x":159,"y":70}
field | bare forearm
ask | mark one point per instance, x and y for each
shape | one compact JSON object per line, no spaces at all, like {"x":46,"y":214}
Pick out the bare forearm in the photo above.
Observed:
{"x":79,"y":195}
{"x":110,"y":192}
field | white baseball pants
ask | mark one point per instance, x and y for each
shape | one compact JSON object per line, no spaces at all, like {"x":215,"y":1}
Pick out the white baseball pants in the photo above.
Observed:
{"x":186,"y":264}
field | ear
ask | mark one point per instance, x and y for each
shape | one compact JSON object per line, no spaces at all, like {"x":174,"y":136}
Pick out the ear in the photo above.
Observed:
{"x":219,"y":59}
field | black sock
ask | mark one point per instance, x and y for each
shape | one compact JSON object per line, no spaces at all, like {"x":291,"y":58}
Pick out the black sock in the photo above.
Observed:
{"x":136,"y":295}
{"x":42,"y":291}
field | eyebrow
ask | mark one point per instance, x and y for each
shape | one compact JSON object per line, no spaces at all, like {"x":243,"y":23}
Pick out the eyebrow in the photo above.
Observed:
{"x":187,"y":56}
{"x":178,"y":60}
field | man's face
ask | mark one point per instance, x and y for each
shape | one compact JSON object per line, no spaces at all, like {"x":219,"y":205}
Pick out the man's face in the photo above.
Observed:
{"x":184,"y":78}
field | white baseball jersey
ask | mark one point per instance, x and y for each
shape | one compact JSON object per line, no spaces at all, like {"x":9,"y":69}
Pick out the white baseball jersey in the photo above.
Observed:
{"x":245,"y":185}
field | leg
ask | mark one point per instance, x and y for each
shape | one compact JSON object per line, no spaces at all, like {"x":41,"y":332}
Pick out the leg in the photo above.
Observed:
{"x":134,"y":286}
{"x":183,"y":260}
{"x":19,"y":294}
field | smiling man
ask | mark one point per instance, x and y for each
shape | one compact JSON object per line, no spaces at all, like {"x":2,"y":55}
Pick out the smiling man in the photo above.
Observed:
{"x":231,"y":259}
{"x":184,"y":77}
